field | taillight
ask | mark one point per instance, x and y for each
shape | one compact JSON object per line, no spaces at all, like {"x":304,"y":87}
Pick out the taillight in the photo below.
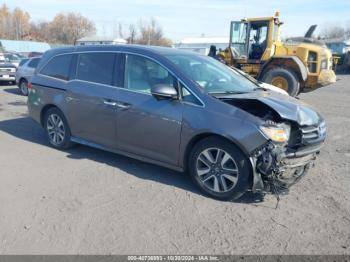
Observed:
{"x":29,"y":85}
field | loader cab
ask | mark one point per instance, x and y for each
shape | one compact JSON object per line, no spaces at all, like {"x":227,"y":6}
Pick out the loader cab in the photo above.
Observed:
{"x":257,"y":40}
{"x":249,"y":39}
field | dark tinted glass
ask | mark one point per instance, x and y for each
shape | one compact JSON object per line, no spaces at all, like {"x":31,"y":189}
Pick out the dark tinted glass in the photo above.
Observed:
{"x":96,"y":67}
{"x":58,"y":67}
{"x":33,"y":63}
{"x":22,"y":62}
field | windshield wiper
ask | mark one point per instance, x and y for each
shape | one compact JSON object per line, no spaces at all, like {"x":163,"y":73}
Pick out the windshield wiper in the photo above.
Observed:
{"x":228,"y":93}
{"x":260,"y":88}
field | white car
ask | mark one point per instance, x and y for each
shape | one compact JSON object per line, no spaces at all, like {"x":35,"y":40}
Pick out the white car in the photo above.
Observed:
{"x":24,"y":73}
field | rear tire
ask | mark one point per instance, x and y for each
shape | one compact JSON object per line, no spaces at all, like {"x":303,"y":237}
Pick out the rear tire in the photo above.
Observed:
{"x":284,"y":79}
{"x":23,"y":86}
{"x":220,"y":169}
{"x":57,"y":129}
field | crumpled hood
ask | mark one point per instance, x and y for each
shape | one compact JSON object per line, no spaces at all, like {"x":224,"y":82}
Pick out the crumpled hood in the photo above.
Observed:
{"x":286,"y":107}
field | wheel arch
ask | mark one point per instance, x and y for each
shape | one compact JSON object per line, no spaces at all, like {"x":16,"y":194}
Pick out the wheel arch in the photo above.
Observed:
{"x":45,"y":109}
{"x":199,"y":137}
{"x":20,"y":81}
{"x":22,"y":78}
{"x":289,"y":62}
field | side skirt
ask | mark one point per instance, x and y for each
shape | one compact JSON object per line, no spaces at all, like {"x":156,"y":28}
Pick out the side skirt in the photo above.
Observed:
{"x":124,"y":153}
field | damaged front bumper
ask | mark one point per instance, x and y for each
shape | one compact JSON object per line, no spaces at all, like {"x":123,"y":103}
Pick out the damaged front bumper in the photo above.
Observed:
{"x":276,"y":168}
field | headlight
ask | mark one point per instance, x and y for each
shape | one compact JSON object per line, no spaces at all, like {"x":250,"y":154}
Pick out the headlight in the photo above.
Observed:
{"x":324,"y":64}
{"x":279,"y":133}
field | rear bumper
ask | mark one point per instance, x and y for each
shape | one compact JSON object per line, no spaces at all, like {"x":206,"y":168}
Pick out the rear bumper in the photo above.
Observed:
{"x":9,"y":78}
{"x":326,"y":77}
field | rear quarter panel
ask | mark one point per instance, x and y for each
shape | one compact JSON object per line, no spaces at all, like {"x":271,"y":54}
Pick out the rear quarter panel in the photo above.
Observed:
{"x":45,"y":92}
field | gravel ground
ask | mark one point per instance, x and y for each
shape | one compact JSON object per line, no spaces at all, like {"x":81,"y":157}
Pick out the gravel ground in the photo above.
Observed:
{"x":88,"y":201}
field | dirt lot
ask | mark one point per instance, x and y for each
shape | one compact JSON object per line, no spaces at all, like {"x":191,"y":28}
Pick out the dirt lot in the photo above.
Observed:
{"x":89,"y":201}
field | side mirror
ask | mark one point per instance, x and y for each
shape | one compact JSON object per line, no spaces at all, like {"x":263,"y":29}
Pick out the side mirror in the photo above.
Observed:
{"x":164,"y":92}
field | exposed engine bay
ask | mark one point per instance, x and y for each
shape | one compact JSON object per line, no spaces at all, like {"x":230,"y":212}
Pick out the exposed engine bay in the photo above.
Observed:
{"x":288,"y":153}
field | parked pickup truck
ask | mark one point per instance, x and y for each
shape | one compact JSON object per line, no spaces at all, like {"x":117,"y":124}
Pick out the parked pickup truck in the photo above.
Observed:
{"x":7,"y":72}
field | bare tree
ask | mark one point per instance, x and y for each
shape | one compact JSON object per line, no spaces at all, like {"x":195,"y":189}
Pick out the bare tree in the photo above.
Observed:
{"x":81,"y":26}
{"x":38,"y":31}
{"x":57,"y":29}
{"x":5,"y":21}
{"x":333,"y":31}
{"x":68,"y":28}
{"x":347,"y":29}
{"x":20,"y":22}
{"x":120,"y":30}
{"x":151,"y":33}
{"x":64,"y":28}
{"x":15,"y":24}
{"x":132,"y":34}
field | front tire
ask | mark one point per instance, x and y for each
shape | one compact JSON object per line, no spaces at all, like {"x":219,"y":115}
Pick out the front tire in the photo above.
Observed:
{"x":220,"y":169}
{"x":57,"y":129}
{"x":284,"y":79}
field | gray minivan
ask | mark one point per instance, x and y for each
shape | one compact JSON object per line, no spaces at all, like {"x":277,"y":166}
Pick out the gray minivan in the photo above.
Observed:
{"x":176,"y":109}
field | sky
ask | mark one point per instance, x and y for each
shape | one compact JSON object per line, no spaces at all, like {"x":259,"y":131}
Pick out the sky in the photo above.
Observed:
{"x":192,"y":18}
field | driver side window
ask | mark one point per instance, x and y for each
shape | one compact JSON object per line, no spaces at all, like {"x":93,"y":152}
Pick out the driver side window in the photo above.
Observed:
{"x":141,"y":74}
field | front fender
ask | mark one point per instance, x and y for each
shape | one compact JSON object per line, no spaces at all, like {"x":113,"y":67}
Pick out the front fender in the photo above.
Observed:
{"x":236,"y":126}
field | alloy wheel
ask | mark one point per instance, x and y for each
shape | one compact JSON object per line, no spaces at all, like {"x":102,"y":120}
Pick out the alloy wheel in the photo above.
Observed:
{"x":55,"y":129}
{"x":217,"y":170}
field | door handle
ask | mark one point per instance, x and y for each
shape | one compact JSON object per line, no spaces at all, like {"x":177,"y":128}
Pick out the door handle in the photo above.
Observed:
{"x":122,"y":105}
{"x":110,"y":103}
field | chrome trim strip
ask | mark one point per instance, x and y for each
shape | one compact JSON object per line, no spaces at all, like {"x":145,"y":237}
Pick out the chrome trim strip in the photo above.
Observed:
{"x":121,"y":52}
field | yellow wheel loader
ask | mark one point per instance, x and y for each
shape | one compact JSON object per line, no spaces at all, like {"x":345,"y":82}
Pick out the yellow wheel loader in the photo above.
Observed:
{"x":256,"y":48}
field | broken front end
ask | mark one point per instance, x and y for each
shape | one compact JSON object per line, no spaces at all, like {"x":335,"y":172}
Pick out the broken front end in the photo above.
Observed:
{"x":287,"y":156}
{"x":294,"y":133}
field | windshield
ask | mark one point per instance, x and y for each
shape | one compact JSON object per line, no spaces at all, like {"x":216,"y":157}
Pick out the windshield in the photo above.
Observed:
{"x":212,"y":75}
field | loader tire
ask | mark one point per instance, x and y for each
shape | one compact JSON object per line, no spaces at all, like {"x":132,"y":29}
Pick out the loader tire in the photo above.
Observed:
{"x":284,"y":79}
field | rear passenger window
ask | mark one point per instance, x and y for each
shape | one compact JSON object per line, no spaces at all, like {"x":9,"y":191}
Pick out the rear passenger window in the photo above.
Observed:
{"x":33,"y":63}
{"x":58,"y":67}
{"x":96,"y":67}
{"x":22,"y":62}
